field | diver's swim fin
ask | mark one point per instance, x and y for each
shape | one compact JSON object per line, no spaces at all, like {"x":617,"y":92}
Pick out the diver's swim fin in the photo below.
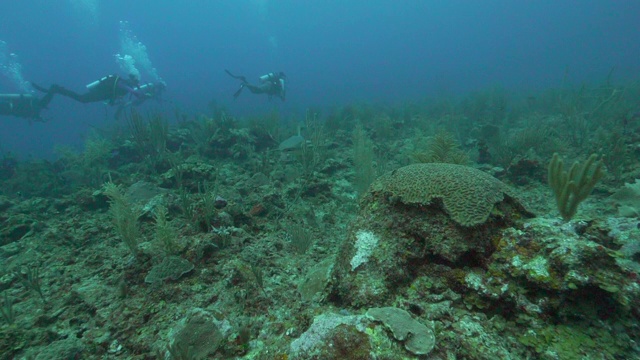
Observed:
{"x":53,"y":89}
{"x":38,"y":87}
{"x":237,"y":93}
{"x":239,"y":77}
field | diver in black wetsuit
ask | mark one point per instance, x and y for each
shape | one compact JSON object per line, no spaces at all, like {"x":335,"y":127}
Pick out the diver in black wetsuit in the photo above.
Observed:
{"x":272,"y":84}
{"x":110,"y":88}
{"x":25,"y":106}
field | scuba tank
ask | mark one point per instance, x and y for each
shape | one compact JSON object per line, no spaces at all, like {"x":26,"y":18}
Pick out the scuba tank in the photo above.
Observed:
{"x":146,"y":89}
{"x":18,"y":101}
{"x":98,"y":82}
{"x":268,"y":77}
{"x":14,"y":96}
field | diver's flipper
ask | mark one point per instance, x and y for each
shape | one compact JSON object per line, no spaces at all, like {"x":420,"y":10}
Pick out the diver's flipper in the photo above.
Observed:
{"x":237,"y":93}
{"x":239,"y":77}
{"x":38,"y":87}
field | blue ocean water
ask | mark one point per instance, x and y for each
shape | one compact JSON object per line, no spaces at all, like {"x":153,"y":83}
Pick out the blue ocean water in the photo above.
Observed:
{"x":333,"y":52}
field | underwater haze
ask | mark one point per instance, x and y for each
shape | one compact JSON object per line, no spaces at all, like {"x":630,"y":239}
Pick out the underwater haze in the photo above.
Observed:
{"x":333,"y":52}
{"x":314,"y":179}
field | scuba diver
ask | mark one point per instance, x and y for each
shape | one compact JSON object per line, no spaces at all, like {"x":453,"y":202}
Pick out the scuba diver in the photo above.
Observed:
{"x":143,"y":93}
{"x":110,"y":88}
{"x":25,"y":105}
{"x":271,"y":84}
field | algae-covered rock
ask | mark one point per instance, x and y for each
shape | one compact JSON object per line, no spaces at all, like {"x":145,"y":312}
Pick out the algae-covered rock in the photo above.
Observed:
{"x":172,"y":267}
{"x":5,"y":203}
{"x":627,"y":199}
{"x":199,"y":337}
{"x":573,"y":342}
{"x":15,"y":227}
{"x":315,"y":280}
{"x":333,"y":337}
{"x":415,"y":216}
{"x":553,"y":261}
{"x":417,"y":337}
{"x":291,"y":143}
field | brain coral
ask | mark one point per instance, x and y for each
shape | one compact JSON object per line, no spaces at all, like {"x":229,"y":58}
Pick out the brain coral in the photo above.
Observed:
{"x":468,"y":194}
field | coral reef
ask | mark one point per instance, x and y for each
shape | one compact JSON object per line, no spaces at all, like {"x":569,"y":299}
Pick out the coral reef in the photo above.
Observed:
{"x":416,"y":216}
{"x":270,"y":239}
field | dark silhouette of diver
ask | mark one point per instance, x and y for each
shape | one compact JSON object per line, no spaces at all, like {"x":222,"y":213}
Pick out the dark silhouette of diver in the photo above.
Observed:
{"x":25,"y":105}
{"x":272,"y":84}
{"x":110,"y":88}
